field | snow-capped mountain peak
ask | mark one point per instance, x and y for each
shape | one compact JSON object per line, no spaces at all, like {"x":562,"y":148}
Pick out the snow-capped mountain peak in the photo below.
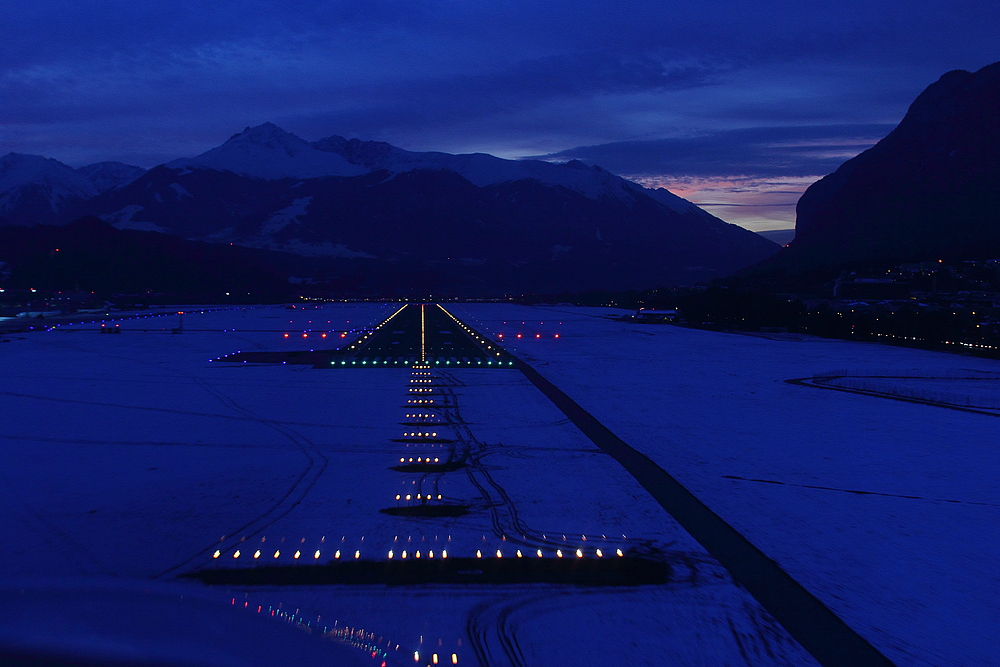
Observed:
{"x":266,"y":151}
{"x":18,"y":170}
{"x":483,"y":169}
{"x":34,"y":188}
{"x":371,"y":154}
{"x":110,"y":175}
{"x":268,"y":137}
{"x":269,"y":152}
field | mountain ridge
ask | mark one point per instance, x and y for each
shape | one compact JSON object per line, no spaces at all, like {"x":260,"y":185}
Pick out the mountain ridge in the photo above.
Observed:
{"x":539,"y":225}
{"x":34,"y":189}
{"x":929,"y":190}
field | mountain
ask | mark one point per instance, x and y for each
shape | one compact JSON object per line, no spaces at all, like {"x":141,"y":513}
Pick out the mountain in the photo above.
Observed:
{"x":90,"y":255}
{"x":33,"y":188}
{"x":436,"y":216}
{"x":268,"y":152}
{"x":491,"y":224}
{"x":110,"y":175}
{"x":518,"y":225}
{"x":482,"y":169}
{"x":779,"y":236}
{"x":36,"y":189}
{"x":929,"y":190}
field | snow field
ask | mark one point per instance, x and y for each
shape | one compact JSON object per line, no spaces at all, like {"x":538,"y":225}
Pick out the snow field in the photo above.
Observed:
{"x":797,"y":469}
{"x":135,"y":456}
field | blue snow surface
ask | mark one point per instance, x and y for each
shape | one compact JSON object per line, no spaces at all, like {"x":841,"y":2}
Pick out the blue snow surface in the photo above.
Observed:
{"x":132,"y":460}
{"x":884,"y":509}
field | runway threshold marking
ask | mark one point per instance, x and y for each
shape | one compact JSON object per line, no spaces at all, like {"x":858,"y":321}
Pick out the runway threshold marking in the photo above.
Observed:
{"x":818,"y":630}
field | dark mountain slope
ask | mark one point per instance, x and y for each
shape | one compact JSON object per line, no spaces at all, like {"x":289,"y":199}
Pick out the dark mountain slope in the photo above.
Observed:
{"x":438,"y":216}
{"x":929,"y":190}
{"x":478,"y":219}
{"x":91,"y":255}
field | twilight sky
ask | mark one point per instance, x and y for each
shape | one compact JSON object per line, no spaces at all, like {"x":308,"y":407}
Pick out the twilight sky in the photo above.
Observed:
{"x":734,"y":105}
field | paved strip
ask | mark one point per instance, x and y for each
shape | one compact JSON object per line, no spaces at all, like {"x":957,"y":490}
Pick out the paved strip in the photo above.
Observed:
{"x":424,"y":332}
{"x":811,"y":623}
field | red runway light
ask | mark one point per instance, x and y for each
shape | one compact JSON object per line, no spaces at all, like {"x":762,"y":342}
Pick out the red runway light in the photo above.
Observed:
{"x":538,"y":335}
{"x":518,"y":335}
{"x":305,"y":335}
{"x":286,"y":335}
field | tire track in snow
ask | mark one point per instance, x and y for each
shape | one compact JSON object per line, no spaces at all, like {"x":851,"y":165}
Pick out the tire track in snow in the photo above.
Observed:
{"x":300,"y":488}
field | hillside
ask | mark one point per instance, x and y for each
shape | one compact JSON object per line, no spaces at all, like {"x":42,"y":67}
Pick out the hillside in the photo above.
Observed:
{"x":929,"y":190}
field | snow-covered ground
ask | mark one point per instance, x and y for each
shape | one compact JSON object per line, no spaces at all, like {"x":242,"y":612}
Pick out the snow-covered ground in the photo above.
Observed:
{"x":886,"y":510}
{"x":136,"y":457}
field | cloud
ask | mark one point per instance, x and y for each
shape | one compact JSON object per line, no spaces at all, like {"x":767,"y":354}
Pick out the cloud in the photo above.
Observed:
{"x":757,"y":151}
{"x":758,"y":204}
{"x":513,"y":78}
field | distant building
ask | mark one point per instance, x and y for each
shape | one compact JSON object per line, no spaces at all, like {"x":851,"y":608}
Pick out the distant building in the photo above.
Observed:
{"x":655,"y":315}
